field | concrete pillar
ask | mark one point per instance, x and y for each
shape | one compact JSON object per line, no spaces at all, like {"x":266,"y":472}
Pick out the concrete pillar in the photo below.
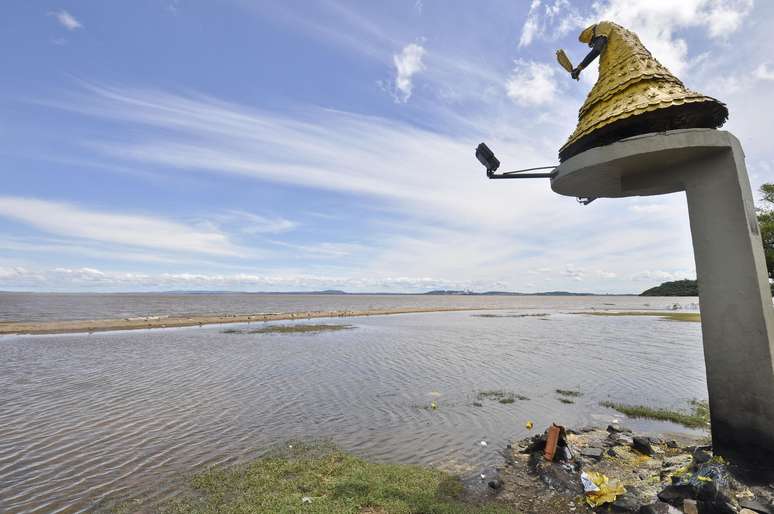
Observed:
{"x":736,"y":307}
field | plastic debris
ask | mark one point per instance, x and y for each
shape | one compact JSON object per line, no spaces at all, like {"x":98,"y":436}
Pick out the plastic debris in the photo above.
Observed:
{"x":306,"y":499}
{"x":433,"y":405}
{"x":529,"y":425}
{"x":607,"y":490}
{"x":483,"y":443}
{"x":588,"y":484}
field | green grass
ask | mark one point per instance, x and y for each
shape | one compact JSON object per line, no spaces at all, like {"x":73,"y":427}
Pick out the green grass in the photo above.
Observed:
{"x":569,"y":392}
{"x":698,"y":417}
{"x":335,"y":481}
{"x":290,"y":329}
{"x":500,"y":396}
{"x":672,"y":316}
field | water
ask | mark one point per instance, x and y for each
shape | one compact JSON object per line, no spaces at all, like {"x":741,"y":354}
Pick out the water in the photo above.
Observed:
{"x":86,"y":420}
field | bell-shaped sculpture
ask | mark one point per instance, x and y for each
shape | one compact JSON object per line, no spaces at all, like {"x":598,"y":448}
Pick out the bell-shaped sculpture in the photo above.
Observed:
{"x":634,"y":94}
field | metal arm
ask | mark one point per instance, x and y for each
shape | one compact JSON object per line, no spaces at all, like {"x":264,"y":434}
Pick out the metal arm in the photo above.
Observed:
{"x":521,"y":174}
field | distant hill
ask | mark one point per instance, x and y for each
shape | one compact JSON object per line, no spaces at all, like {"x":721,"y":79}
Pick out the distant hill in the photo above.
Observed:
{"x":683,"y":287}
{"x":505,"y":293}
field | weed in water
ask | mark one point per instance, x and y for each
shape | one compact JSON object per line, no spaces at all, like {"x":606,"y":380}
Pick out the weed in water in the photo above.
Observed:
{"x":697,"y":418}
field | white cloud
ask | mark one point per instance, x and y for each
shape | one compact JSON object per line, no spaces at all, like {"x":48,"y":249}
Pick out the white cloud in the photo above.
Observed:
{"x":125,"y":229}
{"x":531,"y":24}
{"x":663,"y":276}
{"x":655,"y":21}
{"x":66,"y":19}
{"x":531,"y":83}
{"x":763,"y":72}
{"x":249,"y":223}
{"x":407,"y":64}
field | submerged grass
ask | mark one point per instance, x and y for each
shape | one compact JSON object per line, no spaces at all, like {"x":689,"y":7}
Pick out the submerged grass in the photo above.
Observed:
{"x":697,"y":418}
{"x":290,"y":329}
{"x":321,"y":479}
{"x":500,"y":396}
{"x":569,"y":392}
{"x":672,"y":316}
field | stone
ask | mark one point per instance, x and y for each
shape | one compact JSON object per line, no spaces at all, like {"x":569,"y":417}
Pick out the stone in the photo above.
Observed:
{"x":616,"y":428}
{"x":495,"y":484}
{"x":672,"y":444}
{"x":700,"y":456}
{"x":675,"y":494}
{"x":612,"y":452}
{"x":690,"y":507}
{"x":642,"y":445}
{"x":592,"y":453}
{"x":756,"y":506}
{"x":659,"y":508}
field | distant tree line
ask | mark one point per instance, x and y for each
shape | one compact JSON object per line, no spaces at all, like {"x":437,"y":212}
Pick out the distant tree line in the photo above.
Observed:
{"x":687,"y":287}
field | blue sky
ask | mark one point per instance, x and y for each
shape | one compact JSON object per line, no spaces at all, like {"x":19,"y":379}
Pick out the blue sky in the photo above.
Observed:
{"x":297,"y":145}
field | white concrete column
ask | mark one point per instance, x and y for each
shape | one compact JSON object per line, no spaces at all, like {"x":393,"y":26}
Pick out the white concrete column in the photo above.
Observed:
{"x":737,"y":316}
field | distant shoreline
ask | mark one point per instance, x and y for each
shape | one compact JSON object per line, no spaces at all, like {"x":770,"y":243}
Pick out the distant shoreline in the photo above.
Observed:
{"x":145,"y":322}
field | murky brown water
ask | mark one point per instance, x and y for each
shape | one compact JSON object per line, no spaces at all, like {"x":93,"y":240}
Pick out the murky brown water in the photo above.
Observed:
{"x":90,"y":419}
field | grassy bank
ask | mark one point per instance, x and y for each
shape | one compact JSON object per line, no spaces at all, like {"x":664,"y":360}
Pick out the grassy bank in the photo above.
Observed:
{"x":672,"y":316}
{"x":321,"y":479}
{"x":698,"y":417}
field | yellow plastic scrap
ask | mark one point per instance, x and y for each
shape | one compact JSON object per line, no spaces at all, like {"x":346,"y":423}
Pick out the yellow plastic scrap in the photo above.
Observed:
{"x":608,"y":489}
{"x":529,"y":425}
{"x":704,"y":479}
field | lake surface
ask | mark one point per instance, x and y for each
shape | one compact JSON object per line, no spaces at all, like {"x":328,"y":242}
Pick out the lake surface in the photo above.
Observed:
{"x":86,"y":420}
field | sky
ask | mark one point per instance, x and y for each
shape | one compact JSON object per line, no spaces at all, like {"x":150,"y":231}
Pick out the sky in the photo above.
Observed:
{"x":295,"y":145}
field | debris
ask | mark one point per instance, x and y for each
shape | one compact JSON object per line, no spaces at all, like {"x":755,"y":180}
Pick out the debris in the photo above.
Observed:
{"x":529,"y":425}
{"x":306,"y":499}
{"x":478,"y":404}
{"x":433,"y":405}
{"x":555,"y":432}
{"x":483,"y":443}
{"x":608,"y":490}
{"x":588,"y":484}
{"x":700,"y":456}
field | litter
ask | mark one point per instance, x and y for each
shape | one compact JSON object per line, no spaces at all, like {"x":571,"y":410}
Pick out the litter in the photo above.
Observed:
{"x":483,"y":443}
{"x":433,"y":405}
{"x":588,"y":484}
{"x":529,"y":425}
{"x":306,"y":499}
{"x":607,"y":490}
{"x":555,"y":434}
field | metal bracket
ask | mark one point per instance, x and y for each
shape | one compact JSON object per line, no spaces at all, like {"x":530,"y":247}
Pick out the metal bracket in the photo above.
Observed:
{"x":521,"y":174}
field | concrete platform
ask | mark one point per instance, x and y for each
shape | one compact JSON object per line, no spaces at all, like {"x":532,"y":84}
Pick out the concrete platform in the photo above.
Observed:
{"x":736,"y":305}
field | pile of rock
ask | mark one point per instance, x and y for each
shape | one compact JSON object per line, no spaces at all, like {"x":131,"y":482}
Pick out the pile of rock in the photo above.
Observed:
{"x":660,"y":476}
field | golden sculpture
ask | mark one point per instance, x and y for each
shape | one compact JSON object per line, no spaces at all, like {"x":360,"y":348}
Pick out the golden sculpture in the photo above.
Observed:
{"x":634,"y":94}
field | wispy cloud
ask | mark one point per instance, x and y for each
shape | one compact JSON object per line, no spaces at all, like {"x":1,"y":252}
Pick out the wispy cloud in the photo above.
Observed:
{"x":532,"y":83}
{"x":407,"y":64}
{"x":70,"y":220}
{"x":764,"y":72}
{"x":66,"y":19}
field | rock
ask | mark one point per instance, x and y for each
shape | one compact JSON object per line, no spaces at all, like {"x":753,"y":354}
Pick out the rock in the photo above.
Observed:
{"x":586,"y":429}
{"x":747,"y":511}
{"x":642,"y":445}
{"x":675,"y":494}
{"x":658,"y":508}
{"x":592,"y":453}
{"x":616,"y":428}
{"x":756,"y":506}
{"x":700,"y":456}
{"x":495,"y":484}
{"x":716,"y":508}
{"x":628,"y":502}
{"x":690,"y":507}
{"x":612,"y":452}
{"x":671,"y":464}
{"x":618,"y":439}
{"x":672,"y":444}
